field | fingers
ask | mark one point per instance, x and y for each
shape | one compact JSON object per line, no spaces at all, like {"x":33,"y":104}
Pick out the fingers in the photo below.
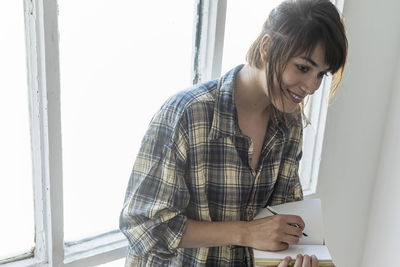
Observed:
{"x":290,"y":239}
{"x":286,"y":226}
{"x":294,"y":219}
{"x":275,"y":232}
{"x":285,"y":262}
{"x":289,"y":224}
{"x":292,"y":234}
{"x":314,"y":261}
{"x":297,"y":230}
{"x":288,"y":219}
{"x":294,"y":231}
{"x":299,"y":261}
{"x":284,"y":232}
{"x":306,"y":261}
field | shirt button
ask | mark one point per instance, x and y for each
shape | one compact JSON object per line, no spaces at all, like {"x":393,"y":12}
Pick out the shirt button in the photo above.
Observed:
{"x":250,"y":214}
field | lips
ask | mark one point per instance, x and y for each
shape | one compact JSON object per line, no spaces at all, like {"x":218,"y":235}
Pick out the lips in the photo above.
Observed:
{"x":295,"y":97}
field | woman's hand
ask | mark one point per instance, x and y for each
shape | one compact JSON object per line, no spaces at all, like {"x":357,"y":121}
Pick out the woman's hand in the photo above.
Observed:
{"x":301,"y":261}
{"x":274,"y":233}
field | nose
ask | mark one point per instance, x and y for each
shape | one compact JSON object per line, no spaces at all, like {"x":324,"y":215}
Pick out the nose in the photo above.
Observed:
{"x":311,"y":85}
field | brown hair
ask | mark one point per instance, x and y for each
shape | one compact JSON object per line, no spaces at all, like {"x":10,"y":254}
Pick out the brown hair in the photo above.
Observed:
{"x":296,"y":27}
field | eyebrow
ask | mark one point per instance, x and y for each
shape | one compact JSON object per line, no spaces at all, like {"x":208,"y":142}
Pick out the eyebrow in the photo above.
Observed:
{"x":312,"y":62}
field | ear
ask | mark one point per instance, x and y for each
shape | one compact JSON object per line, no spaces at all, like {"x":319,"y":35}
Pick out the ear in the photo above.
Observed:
{"x":264,"y":46}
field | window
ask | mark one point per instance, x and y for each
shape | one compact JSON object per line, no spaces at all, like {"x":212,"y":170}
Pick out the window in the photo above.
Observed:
{"x":242,"y":26}
{"x":89,"y":103}
{"x":16,"y":194}
{"x":107,"y":100}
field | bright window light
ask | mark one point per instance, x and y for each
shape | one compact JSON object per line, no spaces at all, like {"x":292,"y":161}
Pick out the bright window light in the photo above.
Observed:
{"x":119,"y":62}
{"x":244,"y":20}
{"x":16,"y":188}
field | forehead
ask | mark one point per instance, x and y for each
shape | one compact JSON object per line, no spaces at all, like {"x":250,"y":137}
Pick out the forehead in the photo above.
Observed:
{"x":315,"y":57}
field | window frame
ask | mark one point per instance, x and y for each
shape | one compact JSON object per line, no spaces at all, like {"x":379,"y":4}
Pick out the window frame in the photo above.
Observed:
{"x":41,"y":27}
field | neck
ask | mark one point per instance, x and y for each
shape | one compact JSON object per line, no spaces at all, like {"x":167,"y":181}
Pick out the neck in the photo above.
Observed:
{"x":250,"y":95}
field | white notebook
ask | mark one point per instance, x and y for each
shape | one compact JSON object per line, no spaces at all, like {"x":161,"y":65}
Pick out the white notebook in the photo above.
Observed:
{"x":311,"y":213}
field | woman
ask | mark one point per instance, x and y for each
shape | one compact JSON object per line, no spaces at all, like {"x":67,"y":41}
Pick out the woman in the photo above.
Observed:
{"x":216,"y":153}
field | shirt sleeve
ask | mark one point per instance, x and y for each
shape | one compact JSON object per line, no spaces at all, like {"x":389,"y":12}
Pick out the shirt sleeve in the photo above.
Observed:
{"x":288,"y":187}
{"x":153,"y":217}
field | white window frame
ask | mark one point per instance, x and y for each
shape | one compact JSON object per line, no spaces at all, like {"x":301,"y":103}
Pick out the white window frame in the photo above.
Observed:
{"x":41,"y":24}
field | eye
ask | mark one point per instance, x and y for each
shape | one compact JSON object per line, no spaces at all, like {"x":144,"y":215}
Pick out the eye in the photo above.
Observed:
{"x":322,"y":74}
{"x":302,"y":68}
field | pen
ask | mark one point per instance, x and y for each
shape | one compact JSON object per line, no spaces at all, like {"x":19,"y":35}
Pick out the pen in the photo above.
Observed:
{"x":276,"y":213}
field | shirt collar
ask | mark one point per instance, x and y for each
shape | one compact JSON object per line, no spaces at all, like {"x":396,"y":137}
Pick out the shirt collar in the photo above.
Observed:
{"x":225,"y":122}
{"x":225,"y":114}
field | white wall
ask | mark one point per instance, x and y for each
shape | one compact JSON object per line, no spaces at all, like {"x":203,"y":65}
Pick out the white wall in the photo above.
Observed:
{"x":355,"y":131}
{"x":381,"y":246}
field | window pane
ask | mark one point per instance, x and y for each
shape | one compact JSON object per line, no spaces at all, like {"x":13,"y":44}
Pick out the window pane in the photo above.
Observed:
{"x":243,"y":24}
{"x":119,"y":62}
{"x":16,"y":189}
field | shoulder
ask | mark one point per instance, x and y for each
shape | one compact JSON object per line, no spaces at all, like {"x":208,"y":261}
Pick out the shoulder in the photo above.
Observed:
{"x":182,"y":112}
{"x":198,"y":98}
{"x":192,"y":110}
{"x":201,"y":97}
{"x":200,"y":94}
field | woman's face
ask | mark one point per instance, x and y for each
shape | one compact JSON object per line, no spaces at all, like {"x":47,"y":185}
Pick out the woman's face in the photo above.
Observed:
{"x":301,"y":77}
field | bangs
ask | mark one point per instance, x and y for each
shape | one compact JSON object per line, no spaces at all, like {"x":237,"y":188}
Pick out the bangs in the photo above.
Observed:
{"x":335,"y":57}
{"x":304,"y":39}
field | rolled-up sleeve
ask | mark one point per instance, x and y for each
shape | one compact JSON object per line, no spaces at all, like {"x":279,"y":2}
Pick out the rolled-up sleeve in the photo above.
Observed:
{"x":153,"y":217}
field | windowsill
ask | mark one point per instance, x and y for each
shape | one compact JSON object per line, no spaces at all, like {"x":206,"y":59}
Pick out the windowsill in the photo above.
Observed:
{"x":97,"y":250}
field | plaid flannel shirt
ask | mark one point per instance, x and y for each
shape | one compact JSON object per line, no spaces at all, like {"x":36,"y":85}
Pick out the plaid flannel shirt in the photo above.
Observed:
{"x":194,"y":163}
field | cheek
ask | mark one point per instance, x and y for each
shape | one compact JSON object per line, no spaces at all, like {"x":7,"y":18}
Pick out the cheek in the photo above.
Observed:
{"x":289,"y":78}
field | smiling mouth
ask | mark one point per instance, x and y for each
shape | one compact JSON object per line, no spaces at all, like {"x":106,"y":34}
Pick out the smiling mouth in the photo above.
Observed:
{"x":294,"y":97}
